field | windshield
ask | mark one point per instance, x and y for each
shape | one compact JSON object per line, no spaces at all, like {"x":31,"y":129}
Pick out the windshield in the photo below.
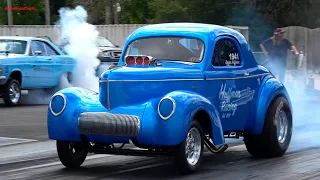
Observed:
{"x":103,"y":42}
{"x":168,"y":48}
{"x":13,"y":46}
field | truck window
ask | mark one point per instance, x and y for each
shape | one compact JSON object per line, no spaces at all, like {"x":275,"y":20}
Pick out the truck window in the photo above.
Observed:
{"x":225,"y":54}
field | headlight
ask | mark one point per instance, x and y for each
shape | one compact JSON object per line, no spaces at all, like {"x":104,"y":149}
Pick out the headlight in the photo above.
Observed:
{"x":58,"y":104}
{"x":166,"y":107}
{"x":106,"y":54}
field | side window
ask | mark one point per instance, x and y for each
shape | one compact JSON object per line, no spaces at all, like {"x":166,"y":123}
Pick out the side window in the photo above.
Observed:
{"x":225,"y":54}
{"x":38,"y":46}
{"x":191,"y":44}
{"x":50,"y":50}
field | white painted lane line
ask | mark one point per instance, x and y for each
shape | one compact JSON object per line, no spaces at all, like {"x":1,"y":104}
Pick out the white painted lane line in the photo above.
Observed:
{"x":96,"y":156}
{"x":16,"y":138}
{"x":5,"y":141}
{"x":25,"y":124}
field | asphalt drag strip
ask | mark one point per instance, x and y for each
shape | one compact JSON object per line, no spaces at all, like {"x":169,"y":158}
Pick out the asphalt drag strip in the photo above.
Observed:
{"x":235,"y":163}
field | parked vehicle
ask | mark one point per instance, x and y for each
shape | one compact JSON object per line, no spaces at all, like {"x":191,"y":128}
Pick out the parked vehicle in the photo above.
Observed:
{"x":30,"y":63}
{"x":177,"y":88}
{"x":109,"y":53}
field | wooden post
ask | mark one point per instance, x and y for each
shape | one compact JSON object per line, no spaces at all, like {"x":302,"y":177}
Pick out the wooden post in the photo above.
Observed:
{"x":10,"y":18}
{"x":47,"y":5}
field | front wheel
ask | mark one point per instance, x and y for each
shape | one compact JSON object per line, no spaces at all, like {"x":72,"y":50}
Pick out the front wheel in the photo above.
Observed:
{"x":276,"y":134}
{"x":12,"y":93}
{"x":188,"y":154}
{"x":71,"y":154}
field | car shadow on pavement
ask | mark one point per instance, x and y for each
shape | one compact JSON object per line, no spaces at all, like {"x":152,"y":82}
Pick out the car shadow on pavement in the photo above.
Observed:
{"x":156,"y":168}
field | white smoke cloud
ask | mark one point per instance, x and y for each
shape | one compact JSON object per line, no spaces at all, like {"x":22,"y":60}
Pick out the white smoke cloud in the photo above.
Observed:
{"x":81,"y":37}
{"x":306,"y":107}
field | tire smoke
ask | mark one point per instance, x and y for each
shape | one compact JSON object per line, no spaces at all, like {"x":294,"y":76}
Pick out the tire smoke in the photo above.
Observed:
{"x":305,"y":106}
{"x":79,"y":37}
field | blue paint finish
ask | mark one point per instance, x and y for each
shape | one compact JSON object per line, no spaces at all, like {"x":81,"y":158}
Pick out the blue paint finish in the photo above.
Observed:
{"x":36,"y":71}
{"x":271,"y":88}
{"x":236,"y":98}
{"x":156,"y":131}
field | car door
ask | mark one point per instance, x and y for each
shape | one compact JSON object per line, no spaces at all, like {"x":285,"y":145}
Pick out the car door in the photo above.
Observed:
{"x":42,"y":66}
{"x":59,"y":63}
{"x":217,"y":74}
{"x":236,"y":89}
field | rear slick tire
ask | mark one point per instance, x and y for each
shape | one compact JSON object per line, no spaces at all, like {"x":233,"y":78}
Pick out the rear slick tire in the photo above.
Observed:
{"x":276,"y":134}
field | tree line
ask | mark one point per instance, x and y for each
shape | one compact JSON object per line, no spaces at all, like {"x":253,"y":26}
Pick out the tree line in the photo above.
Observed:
{"x":261,"y":16}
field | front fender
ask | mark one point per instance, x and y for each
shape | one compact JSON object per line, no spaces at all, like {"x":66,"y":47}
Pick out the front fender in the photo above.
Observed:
{"x":174,"y":130}
{"x":64,"y":126}
{"x":271,"y":89}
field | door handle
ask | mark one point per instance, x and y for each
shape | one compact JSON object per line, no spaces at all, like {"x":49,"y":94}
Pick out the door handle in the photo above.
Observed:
{"x":246,"y":74}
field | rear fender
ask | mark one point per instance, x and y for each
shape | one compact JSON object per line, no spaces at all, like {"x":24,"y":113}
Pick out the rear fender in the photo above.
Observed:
{"x":271,"y":89}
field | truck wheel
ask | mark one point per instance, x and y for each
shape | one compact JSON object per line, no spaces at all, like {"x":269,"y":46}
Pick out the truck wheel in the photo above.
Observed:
{"x":12,"y":93}
{"x":71,"y":155}
{"x":188,"y":154}
{"x":276,"y":134}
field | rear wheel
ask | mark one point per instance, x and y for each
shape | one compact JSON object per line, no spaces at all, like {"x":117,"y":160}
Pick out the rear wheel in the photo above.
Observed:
{"x":188,"y":154}
{"x":276,"y":134}
{"x":12,"y":93}
{"x":71,"y":154}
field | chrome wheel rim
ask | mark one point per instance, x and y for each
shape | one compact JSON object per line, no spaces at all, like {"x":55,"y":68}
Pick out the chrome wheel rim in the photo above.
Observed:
{"x":282,"y":126}
{"x":193,"y":146}
{"x":14,"y":93}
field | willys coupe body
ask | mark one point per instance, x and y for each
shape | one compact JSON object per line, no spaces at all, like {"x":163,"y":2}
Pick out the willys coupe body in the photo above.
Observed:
{"x":177,"y":88}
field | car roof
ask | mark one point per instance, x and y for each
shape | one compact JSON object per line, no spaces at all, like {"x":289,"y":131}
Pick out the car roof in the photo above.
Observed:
{"x":22,"y":38}
{"x":197,"y":30}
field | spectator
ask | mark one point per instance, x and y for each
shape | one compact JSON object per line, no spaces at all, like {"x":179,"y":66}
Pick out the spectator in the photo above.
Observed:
{"x":275,"y":48}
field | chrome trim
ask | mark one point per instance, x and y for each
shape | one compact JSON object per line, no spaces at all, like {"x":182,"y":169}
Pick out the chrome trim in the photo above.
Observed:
{"x":3,"y":77}
{"x":157,"y":80}
{"x":64,"y":104}
{"x":193,"y":146}
{"x":243,"y":77}
{"x":173,"y":108}
{"x":152,"y":80}
{"x":282,"y":126}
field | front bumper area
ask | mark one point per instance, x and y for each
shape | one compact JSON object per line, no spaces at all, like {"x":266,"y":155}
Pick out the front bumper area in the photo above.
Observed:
{"x":104,"y":123}
{"x":3,"y":80}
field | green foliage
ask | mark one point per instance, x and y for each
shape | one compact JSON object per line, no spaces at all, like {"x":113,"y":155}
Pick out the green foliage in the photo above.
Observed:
{"x":261,"y":16}
{"x":134,"y":12}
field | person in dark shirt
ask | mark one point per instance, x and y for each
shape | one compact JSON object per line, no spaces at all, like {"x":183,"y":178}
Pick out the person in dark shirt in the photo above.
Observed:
{"x":276,"y":48}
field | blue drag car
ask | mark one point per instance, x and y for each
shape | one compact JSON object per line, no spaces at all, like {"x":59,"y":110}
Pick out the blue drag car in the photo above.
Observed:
{"x":30,"y":63}
{"x":177,"y":88}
